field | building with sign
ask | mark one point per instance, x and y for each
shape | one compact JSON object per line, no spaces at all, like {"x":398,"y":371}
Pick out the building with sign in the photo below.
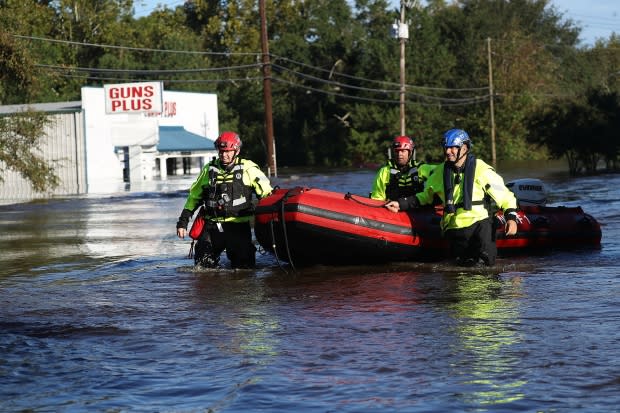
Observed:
{"x":116,"y":139}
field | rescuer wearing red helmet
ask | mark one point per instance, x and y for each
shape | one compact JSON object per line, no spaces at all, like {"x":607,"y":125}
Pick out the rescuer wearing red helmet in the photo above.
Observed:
{"x":224,"y":188}
{"x":401,"y":176}
{"x":464,"y":183}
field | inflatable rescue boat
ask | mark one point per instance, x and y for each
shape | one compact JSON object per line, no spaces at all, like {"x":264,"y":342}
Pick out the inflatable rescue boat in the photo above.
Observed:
{"x":307,"y":226}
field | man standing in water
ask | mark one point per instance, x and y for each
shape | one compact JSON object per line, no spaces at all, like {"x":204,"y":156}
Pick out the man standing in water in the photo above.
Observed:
{"x":464,"y":183}
{"x":225,"y":187}
{"x":401,"y":176}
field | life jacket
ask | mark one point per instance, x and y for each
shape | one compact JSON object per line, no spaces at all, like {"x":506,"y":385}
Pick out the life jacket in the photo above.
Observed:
{"x":469,"y":170}
{"x":475,"y":208}
{"x":226,"y":195}
{"x":403,"y":183}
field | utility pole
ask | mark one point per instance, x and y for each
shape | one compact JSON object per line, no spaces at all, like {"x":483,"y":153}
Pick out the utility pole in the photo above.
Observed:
{"x":402,"y":31}
{"x":403,"y":35}
{"x":269,"y":139}
{"x":493,"y":154}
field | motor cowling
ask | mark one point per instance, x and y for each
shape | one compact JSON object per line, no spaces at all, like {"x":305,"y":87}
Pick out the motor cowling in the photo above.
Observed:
{"x":529,"y":191}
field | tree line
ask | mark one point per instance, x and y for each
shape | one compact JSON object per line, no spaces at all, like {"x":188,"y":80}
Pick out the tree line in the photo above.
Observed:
{"x":335,"y":73}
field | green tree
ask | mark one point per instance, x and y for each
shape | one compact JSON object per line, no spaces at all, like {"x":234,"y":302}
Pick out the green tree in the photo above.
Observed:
{"x":524,"y":68}
{"x":20,"y":140}
{"x":582,"y":131}
{"x":21,"y":135}
{"x":16,"y":82}
{"x":600,"y":66}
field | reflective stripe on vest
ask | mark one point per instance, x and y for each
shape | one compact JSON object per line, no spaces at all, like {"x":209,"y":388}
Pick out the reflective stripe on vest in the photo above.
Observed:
{"x":403,"y":184}
{"x":227,"y":195}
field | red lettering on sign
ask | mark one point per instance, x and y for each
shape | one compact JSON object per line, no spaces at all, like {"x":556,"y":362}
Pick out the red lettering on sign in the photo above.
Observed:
{"x":133,"y":97}
{"x":132,"y":105}
{"x":169,"y":110}
{"x":131,"y":92}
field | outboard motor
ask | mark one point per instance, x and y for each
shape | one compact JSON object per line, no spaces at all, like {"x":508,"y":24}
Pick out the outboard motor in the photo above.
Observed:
{"x":529,"y":191}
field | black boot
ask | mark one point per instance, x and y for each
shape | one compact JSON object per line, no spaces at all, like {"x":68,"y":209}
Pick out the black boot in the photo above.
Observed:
{"x":486,"y":259}
{"x":204,"y":255}
{"x":208,"y":261}
{"x":466,"y":262}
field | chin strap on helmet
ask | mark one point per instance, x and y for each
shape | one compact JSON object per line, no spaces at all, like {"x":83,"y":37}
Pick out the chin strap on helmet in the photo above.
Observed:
{"x":404,"y":143}
{"x":458,"y":154}
{"x":229,"y":141}
{"x":458,"y":138}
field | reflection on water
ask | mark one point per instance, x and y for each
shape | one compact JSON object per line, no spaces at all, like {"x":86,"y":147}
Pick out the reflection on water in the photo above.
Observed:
{"x":245,"y":325}
{"x":100,"y":310}
{"x":486,"y":315}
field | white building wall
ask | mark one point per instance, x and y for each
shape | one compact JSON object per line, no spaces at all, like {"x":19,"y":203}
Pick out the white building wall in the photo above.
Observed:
{"x":196,"y":112}
{"x":149,"y":170}
{"x":104,"y":171}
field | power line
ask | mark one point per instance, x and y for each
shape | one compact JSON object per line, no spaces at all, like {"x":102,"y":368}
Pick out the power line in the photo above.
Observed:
{"x":446,"y":102}
{"x":133,"y":79}
{"x":138,"y":49}
{"x":275,"y":57}
{"x":150,"y":71}
{"x":470,"y":101}
{"x":256,"y":65}
{"x":379,"y":91}
{"x":421,"y":99}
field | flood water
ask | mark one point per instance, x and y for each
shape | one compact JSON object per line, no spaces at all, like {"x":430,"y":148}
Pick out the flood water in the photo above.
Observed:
{"x":100,"y":310}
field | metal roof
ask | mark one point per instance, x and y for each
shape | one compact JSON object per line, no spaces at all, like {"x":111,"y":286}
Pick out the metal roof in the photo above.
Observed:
{"x":73,"y":106}
{"x":176,"y":138}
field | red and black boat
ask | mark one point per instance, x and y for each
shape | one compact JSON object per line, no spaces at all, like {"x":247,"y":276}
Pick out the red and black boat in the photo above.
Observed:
{"x":306,"y":226}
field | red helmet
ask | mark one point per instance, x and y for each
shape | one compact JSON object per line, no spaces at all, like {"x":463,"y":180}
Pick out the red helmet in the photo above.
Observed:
{"x":228,"y":141}
{"x":403,"y":142}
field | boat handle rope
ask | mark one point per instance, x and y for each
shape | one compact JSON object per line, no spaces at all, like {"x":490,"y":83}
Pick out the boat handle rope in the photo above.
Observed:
{"x":275,"y":250}
{"x":284,"y":232}
{"x":350,"y":196}
{"x":283,"y":221}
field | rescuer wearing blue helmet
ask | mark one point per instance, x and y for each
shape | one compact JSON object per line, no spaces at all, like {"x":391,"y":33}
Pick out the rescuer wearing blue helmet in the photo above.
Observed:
{"x":463,"y":182}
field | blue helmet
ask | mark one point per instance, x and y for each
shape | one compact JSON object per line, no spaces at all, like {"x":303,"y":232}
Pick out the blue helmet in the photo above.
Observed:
{"x":456,"y":137}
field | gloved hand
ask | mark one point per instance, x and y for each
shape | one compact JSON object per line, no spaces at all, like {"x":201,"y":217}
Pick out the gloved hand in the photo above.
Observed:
{"x":408,"y":203}
{"x":183,"y":221}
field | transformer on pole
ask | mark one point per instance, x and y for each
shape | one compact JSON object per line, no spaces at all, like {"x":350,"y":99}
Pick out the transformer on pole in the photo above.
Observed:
{"x":401,"y":31}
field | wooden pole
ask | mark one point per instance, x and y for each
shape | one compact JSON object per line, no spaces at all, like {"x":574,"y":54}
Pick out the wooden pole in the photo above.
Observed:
{"x":269,"y":139}
{"x":403,"y":40}
{"x":493,"y":153}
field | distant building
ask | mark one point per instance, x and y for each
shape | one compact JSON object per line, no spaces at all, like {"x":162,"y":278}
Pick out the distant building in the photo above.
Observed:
{"x":95,"y":151}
